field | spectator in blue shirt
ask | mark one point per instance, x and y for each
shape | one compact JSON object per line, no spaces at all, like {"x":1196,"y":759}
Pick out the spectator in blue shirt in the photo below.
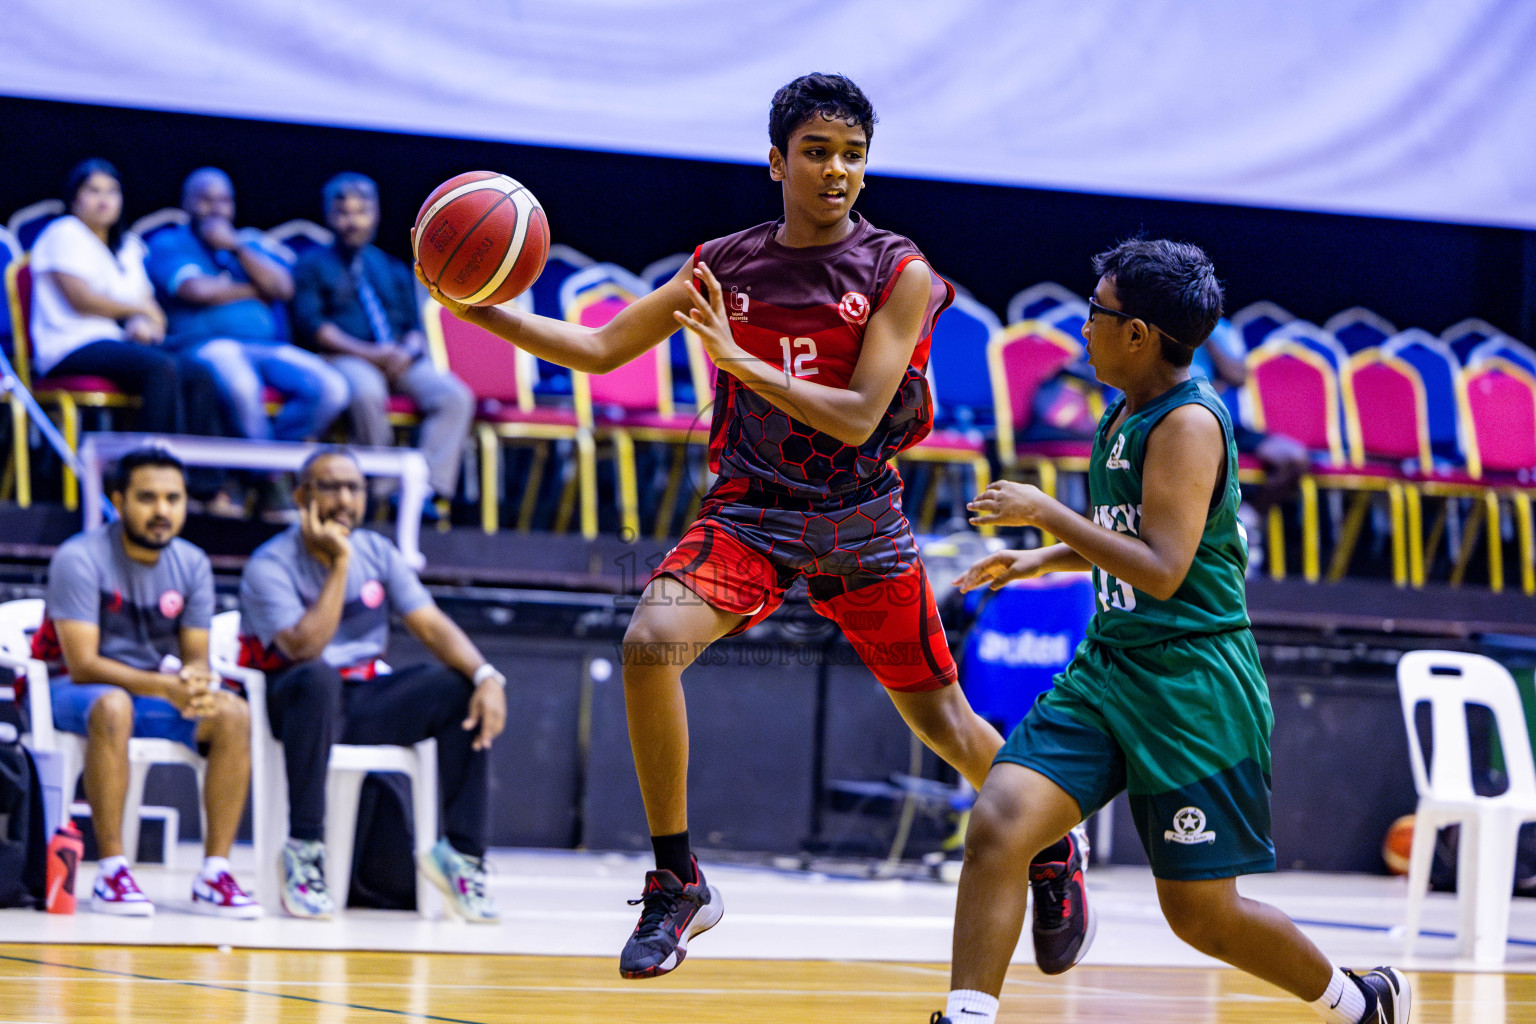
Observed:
{"x":359,"y":308}
{"x":217,"y":289}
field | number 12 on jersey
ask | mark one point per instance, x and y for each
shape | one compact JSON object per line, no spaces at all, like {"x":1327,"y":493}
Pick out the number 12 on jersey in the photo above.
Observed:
{"x":798,"y":354}
{"x":1114,"y":594}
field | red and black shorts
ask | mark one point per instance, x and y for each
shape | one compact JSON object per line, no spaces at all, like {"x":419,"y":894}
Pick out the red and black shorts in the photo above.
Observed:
{"x":856,"y":554}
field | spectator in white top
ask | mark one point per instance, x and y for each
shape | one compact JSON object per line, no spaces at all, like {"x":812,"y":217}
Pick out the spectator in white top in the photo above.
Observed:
{"x":93,"y":308}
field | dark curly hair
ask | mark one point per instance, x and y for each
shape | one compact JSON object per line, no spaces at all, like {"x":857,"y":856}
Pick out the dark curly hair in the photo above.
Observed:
{"x":1170,"y":285}
{"x":150,"y":455}
{"x":829,"y":96}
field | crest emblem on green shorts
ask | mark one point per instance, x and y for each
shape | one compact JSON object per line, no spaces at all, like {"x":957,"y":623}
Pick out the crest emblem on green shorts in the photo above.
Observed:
{"x":1189,"y":828}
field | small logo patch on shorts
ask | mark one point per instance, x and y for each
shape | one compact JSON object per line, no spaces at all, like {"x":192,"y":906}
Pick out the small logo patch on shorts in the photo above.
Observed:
{"x":1189,"y":828}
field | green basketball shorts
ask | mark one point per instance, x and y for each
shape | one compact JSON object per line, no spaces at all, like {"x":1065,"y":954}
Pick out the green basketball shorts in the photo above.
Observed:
{"x":1183,"y":727}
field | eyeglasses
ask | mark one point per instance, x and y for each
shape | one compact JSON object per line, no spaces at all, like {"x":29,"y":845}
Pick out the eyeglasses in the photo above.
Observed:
{"x":1095,"y":308}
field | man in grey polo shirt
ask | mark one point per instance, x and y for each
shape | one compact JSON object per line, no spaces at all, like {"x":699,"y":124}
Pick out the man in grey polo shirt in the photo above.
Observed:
{"x":315,"y":605}
{"x":128,"y":610}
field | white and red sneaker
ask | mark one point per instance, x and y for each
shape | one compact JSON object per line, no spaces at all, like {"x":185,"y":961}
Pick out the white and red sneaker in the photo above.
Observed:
{"x":223,"y":897}
{"x":118,"y":893}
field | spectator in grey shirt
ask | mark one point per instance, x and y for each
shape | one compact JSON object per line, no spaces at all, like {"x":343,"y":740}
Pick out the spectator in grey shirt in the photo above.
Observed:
{"x":128,"y":610}
{"x":315,"y":605}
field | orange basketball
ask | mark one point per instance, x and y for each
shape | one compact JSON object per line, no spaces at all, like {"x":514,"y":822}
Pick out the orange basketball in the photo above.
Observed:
{"x":1397,"y":847}
{"x":481,"y":238}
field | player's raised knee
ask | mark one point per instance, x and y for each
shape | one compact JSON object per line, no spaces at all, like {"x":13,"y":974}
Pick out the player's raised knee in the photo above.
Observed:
{"x":651,"y":644}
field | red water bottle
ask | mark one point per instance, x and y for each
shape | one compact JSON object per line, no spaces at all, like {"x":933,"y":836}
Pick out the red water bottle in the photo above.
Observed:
{"x":64,"y":852}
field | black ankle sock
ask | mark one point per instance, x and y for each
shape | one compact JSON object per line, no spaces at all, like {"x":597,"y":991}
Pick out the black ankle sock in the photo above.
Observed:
{"x":673,"y":854}
{"x":1060,"y":850}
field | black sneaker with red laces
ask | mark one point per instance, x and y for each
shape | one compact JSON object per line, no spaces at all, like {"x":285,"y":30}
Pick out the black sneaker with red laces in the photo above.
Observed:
{"x":671,"y":914}
{"x":1063,"y":928}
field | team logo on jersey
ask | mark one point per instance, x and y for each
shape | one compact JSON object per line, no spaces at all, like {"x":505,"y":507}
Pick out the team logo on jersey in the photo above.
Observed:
{"x":1189,"y":828}
{"x":372,"y":594}
{"x":171,"y":603}
{"x":854,"y":308}
{"x":736,"y":305}
{"x":1115,"y":461}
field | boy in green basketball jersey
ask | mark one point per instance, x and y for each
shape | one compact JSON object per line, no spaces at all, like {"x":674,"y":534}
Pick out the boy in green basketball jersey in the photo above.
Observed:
{"x":1165,"y":698}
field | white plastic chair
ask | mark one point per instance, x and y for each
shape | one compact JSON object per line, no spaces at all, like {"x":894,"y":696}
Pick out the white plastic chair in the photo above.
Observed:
{"x":344,"y":780}
{"x":1485,"y":868}
{"x":18,"y":621}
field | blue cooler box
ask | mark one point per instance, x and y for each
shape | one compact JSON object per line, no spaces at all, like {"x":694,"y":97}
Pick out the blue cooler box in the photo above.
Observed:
{"x":1023,"y":635}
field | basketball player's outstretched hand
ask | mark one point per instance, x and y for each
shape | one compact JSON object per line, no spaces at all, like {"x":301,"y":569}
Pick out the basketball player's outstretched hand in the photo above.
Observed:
{"x":1005,"y":503}
{"x":707,"y":318}
{"x":458,"y":309}
{"x":999,"y":568}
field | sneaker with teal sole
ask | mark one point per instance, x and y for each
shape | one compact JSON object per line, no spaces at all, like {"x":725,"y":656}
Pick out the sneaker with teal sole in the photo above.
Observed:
{"x":462,"y":879}
{"x":304,"y":890}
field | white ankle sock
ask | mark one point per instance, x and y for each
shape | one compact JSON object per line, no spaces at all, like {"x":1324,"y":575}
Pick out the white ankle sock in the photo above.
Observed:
{"x":108,"y":865}
{"x":213,"y":867}
{"x":1342,"y":1002}
{"x":967,"y":1006}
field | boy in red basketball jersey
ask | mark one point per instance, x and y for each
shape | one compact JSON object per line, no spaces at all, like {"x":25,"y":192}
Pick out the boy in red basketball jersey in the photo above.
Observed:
{"x":820,"y":325}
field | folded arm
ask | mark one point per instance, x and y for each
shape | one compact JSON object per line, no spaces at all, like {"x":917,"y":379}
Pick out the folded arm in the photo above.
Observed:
{"x":87,"y":301}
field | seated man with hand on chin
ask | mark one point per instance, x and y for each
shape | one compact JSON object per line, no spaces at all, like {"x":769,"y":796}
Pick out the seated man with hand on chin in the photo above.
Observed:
{"x":315,"y":604}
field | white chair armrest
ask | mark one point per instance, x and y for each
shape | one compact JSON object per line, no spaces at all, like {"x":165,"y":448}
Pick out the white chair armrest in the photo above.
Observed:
{"x":39,"y":697}
{"x":248,"y":676}
{"x":11,"y":661}
{"x":254,"y":681}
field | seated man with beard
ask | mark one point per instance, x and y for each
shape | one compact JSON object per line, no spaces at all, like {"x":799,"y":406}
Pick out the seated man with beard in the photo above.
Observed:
{"x":125,"y":634}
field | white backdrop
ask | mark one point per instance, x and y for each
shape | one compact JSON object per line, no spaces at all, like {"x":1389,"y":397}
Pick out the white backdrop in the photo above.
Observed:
{"x":1416,"y":108}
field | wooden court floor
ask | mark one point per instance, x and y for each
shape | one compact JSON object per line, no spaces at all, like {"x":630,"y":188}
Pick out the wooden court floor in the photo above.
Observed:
{"x":122,"y":984}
